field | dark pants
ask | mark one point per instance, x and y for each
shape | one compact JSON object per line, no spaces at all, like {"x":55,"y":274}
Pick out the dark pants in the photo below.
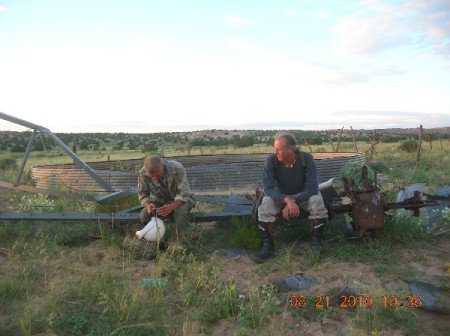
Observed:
{"x":180,"y":216}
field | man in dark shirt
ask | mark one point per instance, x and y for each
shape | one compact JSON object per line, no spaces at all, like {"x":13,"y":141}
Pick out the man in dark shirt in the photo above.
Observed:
{"x":290,"y":185}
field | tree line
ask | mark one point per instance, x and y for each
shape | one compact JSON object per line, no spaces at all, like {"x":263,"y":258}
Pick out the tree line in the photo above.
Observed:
{"x":149,"y":142}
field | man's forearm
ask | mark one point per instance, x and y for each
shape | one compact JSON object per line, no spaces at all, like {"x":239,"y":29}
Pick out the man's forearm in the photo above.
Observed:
{"x":177,"y":203}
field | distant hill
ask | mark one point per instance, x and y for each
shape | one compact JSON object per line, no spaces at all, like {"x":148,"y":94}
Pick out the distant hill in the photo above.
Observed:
{"x":437,"y":130}
{"x":17,"y":141}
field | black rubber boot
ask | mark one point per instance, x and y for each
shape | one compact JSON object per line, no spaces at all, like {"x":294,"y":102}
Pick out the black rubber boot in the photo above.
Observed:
{"x":161,"y":246}
{"x":267,"y":250}
{"x":318,"y":226}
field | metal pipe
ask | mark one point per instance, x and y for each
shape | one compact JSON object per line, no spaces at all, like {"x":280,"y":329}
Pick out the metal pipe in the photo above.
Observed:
{"x":25,"y":158}
{"x":106,"y":186}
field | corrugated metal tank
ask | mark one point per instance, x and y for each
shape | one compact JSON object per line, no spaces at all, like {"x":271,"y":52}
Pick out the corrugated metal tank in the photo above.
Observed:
{"x":206,"y":173}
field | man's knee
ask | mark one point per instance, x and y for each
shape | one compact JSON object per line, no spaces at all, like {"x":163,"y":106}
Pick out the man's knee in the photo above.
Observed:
{"x":182,"y":214}
{"x":317,"y":207}
{"x":268,"y":210}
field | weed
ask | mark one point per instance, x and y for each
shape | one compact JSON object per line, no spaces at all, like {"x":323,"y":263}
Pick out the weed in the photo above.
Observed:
{"x":366,"y":251}
{"x":285,"y":259}
{"x":379,"y":318}
{"x":310,"y":258}
{"x":36,"y":203}
{"x":261,"y":304}
{"x":446,"y":216}
{"x":245,"y":234}
{"x":221,"y":303}
{"x":402,"y":226}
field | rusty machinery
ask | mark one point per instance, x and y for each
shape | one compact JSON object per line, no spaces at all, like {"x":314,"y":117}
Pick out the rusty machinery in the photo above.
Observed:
{"x":366,"y":205}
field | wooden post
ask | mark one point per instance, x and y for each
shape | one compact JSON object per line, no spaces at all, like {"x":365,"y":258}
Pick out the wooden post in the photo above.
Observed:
{"x":354,"y":139}
{"x":307,"y":144}
{"x":329,"y":139}
{"x":162,"y":147}
{"x":74,"y":146}
{"x":419,"y":145}
{"x":339,"y":139}
{"x":373,"y":143}
{"x":74,"y":149}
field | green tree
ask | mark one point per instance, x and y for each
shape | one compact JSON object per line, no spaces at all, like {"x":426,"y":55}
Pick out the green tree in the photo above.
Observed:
{"x":244,"y":141}
{"x":150,"y":147}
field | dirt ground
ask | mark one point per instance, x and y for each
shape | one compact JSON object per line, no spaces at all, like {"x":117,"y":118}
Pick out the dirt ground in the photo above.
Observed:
{"x":429,"y":265}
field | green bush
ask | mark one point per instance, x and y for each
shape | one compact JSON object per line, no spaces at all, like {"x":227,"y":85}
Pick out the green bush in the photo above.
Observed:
{"x":36,"y":203}
{"x":352,"y":171}
{"x":8,"y":164}
{"x":379,"y":166}
{"x":409,"y":145}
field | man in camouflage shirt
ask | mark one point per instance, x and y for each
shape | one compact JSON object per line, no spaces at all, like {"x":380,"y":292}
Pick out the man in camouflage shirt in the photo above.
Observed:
{"x":163,"y":184}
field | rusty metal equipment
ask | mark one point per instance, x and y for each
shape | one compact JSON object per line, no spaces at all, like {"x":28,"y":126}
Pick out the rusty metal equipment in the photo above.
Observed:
{"x":367,"y":208}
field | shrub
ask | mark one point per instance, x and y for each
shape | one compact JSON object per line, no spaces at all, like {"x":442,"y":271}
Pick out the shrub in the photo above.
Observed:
{"x":379,"y":166}
{"x":18,"y":149}
{"x":8,"y":164}
{"x":409,"y":145}
{"x":245,"y":141}
{"x":36,"y":203}
{"x":352,"y":171}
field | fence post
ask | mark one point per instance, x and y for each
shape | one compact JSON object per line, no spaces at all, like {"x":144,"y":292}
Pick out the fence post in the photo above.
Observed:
{"x":419,"y":145}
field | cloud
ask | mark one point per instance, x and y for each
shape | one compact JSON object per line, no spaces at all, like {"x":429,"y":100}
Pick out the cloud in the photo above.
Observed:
{"x":236,"y":21}
{"x":148,"y":43}
{"x":364,"y":35}
{"x":241,"y":44}
{"x":393,"y":119}
{"x":360,"y":120}
{"x":321,"y":13}
{"x":339,"y":77}
{"x":3,"y":9}
{"x":378,"y":26}
{"x":290,"y":12}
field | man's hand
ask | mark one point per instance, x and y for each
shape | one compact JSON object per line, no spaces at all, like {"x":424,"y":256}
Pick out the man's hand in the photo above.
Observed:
{"x":291,"y":209}
{"x":167,"y":209}
{"x":149,"y":206}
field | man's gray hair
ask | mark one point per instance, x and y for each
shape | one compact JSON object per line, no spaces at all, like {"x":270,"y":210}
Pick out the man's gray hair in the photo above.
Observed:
{"x":152,"y":163}
{"x":289,"y":139}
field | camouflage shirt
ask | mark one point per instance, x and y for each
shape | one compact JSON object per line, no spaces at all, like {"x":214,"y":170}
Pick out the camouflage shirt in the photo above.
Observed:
{"x":173,"y":186}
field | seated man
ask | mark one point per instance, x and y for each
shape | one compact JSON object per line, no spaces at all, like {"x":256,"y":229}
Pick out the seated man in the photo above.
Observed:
{"x":290,"y":185}
{"x":163,"y":184}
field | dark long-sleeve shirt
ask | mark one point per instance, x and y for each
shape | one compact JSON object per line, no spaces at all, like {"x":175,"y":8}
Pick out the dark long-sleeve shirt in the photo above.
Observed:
{"x":298,"y":182}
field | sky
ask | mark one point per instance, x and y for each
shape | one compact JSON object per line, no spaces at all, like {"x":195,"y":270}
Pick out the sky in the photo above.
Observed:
{"x":141,"y":66}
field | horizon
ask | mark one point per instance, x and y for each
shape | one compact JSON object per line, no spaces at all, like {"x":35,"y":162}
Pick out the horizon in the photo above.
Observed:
{"x":148,"y":66}
{"x":21,"y":125}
